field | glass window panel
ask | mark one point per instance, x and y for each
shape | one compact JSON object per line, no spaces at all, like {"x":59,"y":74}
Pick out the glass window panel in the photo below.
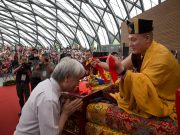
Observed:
{"x":51,"y":10}
{"x":64,"y":17}
{"x":65,"y":5}
{"x":30,"y":17}
{"x":118,"y":8}
{"x":110,"y":23}
{"x":23,"y":42}
{"x":8,"y":37}
{"x":147,"y":4}
{"x":23,"y":34}
{"x":99,"y":3}
{"x":24,"y":27}
{"x":155,"y":2}
{"x":46,"y":2}
{"x":14,"y":30}
{"x":43,"y":41}
{"x":86,"y":26}
{"x":6,"y":23}
{"x":6,"y":14}
{"x":65,"y":30}
{"x":135,"y":11}
{"x":44,"y":32}
{"x":41,"y":12}
{"x":62,"y":40}
{"x":33,"y":35}
{"x":43,"y":22}
{"x":90,"y":12}
{"x":75,"y":17}
{"x":21,"y":18}
{"x":103,"y":36}
{"x":27,"y":6}
{"x":82,"y":39}
{"x":53,"y":32}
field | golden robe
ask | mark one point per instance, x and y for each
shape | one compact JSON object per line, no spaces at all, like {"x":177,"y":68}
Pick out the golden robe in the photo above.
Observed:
{"x":152,"y":91}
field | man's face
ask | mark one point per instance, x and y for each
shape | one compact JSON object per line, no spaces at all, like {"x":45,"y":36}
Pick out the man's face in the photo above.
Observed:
{"x":23,"y":60}
{"x":88,"y":55}
{"x":137,"y":42}
{"x":71,"y":83}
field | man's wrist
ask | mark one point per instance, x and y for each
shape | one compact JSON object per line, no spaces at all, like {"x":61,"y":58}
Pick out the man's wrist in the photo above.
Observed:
{"x":123,"y":72}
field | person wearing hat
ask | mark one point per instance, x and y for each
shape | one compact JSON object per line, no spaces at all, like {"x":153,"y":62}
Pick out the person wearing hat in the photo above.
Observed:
{"x":150,"y":75}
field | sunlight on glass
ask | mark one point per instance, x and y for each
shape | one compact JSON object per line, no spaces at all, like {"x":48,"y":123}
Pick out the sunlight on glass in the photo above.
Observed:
{"x":86,"y":26}
{"x":62,"y":40}
{"x":147,"y":4}
{"x":41,"y":12}
{"x":42,"y":21}
{"x":21,"y":18}
{"x":43,"y":41}
{"x":45,"y":33}
{"x":23,"y":34}
{"x":110,"y":23}
{"x":24,"y":27}
{"x":8,"y":23}
{"x":24,"y":43}
{"x":65,"y":5}
{"x":27,"y":6}
{"x":99,"y":3}
{"x":118,"y":8}
{"x":45,"y":2}
{"x":135,"y":11}
{"x":82,"y":39}
{"x":65,"y":30}
{"x":103,"y":36}
{"x":7,"y":37}
{"x":90,"y":12}
{"x":62,"y":16}
{"x":29,"y":16}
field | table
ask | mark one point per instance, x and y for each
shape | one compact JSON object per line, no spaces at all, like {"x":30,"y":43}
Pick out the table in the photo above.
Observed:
{"x":75,"y":125}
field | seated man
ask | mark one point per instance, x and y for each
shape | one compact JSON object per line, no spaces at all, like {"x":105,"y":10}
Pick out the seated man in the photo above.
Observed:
{"x":150,"y":75}
{"x":87,"y":63}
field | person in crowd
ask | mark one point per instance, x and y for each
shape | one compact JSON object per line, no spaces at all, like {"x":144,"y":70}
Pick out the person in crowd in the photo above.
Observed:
{"x":87,"y":63}
{"x":150,"y":75}
{"x":44,"y":113}
{"x":23,"y":74}
{"x":42,"y":70}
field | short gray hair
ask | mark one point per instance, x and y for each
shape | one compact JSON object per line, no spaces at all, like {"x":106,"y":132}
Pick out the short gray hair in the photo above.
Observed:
{"x":68,"y":66}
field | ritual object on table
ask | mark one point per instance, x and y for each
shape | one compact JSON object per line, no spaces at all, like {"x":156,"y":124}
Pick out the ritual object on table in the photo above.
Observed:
{"x":84,"y":88}
{"x":92,"y":79}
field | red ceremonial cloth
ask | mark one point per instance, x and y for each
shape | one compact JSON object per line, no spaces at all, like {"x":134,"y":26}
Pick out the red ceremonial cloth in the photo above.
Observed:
{"x":112,"y":69}
{"x":83,"y":89}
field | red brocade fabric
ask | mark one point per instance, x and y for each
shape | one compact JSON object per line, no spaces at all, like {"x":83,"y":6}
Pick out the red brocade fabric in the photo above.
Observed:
{"x":178,"y":107}
{"x":112,"y":69}
{"x":116,"y":119}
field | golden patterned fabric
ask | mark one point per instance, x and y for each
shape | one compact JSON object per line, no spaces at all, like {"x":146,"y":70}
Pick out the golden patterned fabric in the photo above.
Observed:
{"x":96,"y":112}
{"x":152,"y":91}
{"x":94,"y":129}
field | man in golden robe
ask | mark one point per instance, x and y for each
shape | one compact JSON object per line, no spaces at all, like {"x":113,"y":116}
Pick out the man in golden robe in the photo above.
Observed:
{"x":150,"y":75}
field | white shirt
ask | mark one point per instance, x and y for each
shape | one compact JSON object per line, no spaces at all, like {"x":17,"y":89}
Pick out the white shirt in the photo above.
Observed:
{"x":41,"y":113}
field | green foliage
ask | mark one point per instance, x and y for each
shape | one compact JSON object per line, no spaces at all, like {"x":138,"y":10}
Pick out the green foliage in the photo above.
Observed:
{"x":10,"y":82}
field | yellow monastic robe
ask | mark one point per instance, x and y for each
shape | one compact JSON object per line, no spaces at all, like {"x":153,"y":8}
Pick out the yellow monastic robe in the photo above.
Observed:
{"x":152,"y":91}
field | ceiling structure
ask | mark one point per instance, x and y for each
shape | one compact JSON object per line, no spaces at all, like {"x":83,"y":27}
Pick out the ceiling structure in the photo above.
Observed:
{"x":54,"y":23}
